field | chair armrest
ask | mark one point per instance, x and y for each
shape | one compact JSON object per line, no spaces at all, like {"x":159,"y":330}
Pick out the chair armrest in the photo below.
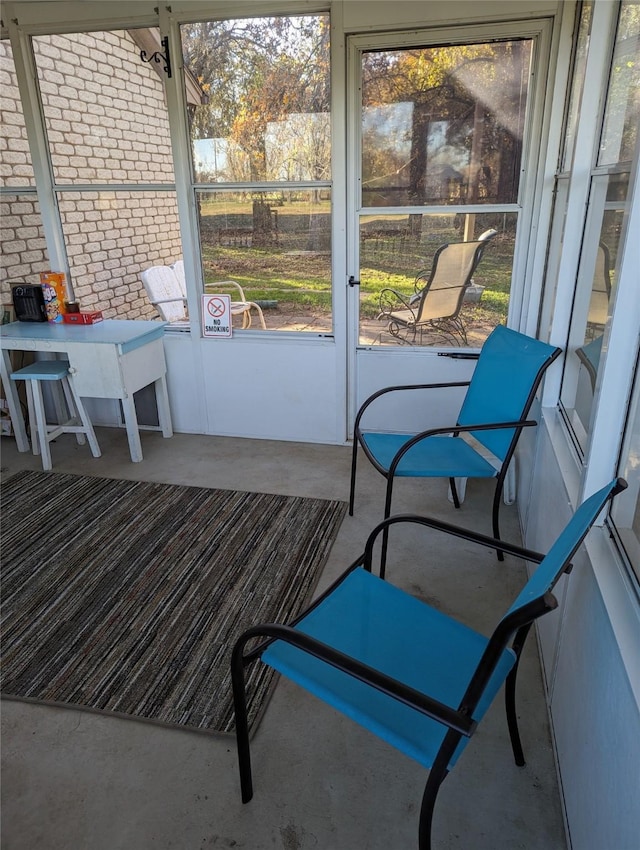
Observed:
{"x":390,"y":300}
{"x":424,"y":703}
{"x":400,"y":388}
{"x":224,"y":284}
{"x":447,"y":528}
{"x":456,"y":429}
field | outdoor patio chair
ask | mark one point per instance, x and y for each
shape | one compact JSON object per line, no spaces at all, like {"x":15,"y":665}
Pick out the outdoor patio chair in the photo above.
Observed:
{"x":482,"y":441}
{"x":417,"y":678}
{"x":600,"y":292}
{"x":164,"y":289}
{"x":241,"y":307}
{"x":439,"y":294}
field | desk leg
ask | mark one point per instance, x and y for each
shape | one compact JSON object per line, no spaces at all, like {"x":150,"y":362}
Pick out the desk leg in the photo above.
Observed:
{"x":131,"y":422}
{"x":15,"y":411}
{"x":162,"y":401}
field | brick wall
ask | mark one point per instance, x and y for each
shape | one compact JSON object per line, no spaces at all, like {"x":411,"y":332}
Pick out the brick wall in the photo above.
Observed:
{"x":23,"y":252}
{"x":107,"y":124}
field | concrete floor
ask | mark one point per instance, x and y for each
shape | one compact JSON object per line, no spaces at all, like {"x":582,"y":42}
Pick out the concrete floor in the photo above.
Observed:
{"x":73,"y":780}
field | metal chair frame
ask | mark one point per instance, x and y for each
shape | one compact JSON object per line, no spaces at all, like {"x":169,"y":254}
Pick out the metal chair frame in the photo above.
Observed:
{"x":439,"y":293}
{"x":474,"y":419}
{"x":323,"y":639}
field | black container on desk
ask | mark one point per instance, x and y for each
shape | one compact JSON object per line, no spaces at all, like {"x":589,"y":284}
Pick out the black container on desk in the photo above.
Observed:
{"x":28,"y":302}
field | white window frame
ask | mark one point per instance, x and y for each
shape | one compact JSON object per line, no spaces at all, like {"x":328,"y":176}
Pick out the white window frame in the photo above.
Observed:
{"x":539,"y":30}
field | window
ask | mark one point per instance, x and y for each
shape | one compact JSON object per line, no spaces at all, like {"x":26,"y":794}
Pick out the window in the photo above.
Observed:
{"x":442,"y":136}
{"x":444,"y":125}
{"x":23,"y":251}
{"x":608,"y":193}
{"x":105,"y":120}
{"x":577,"y":83}
{"x":261,"y":161}
{"x":625,"y":513}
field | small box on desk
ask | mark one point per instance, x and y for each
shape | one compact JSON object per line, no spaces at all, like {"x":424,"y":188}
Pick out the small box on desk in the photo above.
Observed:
{"x":82,"y":318}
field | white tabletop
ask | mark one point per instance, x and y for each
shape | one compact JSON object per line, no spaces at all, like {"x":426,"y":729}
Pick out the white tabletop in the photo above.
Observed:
{"x":128,"y":333}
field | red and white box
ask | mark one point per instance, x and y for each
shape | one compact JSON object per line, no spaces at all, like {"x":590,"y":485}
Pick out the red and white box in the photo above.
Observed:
{"x":82,"y":318}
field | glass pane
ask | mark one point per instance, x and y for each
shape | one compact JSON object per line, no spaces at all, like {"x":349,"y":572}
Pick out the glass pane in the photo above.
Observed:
{"x":266,"y":115}
{"x":622,"y":113}
{"x":104,"y":108}
{"x":444,"y":125}
{"x":594,"y":301}
{"x":23,"y":252}
{"x":396,"y":259}
{"x":277,"y":246}
{"x":626,"y":507}
{"x":113,"y":236}
{"x":15,"y":160}
{"x":577,"y":82}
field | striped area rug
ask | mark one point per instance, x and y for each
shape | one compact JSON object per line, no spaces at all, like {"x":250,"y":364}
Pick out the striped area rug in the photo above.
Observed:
{"x":126,"y":596}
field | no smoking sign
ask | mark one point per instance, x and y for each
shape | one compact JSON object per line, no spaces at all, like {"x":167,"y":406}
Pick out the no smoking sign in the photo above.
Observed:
{"x":216,"y":315}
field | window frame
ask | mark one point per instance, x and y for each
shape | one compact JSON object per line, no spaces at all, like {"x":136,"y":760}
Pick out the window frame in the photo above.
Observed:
{"x":584,"y":472}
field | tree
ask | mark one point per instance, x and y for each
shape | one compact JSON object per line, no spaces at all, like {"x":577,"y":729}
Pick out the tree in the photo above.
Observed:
{"x":267,"y":81}
{"x":464,"y":113}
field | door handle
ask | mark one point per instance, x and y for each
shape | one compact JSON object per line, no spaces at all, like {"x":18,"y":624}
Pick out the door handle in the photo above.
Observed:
{"x":353,"y":281}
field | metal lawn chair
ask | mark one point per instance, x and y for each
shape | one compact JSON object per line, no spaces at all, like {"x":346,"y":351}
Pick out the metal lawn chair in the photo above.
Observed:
{"x":165,"y":292}
{"x":239,"y":307}
{"x":439,"y":294}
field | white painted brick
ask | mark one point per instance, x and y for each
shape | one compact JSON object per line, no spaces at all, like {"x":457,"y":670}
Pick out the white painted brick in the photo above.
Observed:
{"x":15,"y":246}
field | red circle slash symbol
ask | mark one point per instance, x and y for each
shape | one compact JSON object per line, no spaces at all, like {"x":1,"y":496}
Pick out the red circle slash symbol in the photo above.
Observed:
{"x":216,"y":307}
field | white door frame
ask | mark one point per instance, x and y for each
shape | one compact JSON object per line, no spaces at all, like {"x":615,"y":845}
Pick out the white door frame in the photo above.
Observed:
{"x":371,"y":367}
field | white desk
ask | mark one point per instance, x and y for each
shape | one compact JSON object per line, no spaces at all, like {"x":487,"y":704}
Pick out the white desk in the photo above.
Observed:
{"x":111,"y":359}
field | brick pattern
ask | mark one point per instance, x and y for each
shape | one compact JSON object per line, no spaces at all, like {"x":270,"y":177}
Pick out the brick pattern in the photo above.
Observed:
{"x":110,"y":240}
{"x":107,"y":123}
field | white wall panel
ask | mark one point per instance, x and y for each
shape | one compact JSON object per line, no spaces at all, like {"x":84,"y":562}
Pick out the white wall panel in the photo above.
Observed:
{"x":597,"y":726}
{"x":184,"y":384}
{"x":273,"y":390}
{"x":595,"y":714}
{"x":411,"y":411}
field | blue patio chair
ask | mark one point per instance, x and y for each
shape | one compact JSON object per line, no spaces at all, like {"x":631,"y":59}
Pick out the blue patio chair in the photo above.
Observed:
{"x":494,"y":412}
{"x":415,"y":677}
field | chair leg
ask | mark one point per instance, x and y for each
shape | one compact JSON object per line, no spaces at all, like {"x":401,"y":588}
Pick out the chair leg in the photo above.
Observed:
{"x":454,"y":493}
{"x":497,"y":496}
{"x":33,"y":425}
{"x":437,"y":775}
{"x":41,"y":424}
{"x":84,"y":419}
{"x":354,"y":460}
{"x":241,"y":722}
{"x":72,"y":410}
{"x":510,"y":698}
{"x":258,"y":308}
{"x":385,"y":533}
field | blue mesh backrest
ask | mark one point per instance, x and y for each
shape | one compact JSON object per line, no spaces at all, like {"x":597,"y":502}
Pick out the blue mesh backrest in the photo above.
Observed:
{"x":551,"y":568}
{"x":506,"y":371}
